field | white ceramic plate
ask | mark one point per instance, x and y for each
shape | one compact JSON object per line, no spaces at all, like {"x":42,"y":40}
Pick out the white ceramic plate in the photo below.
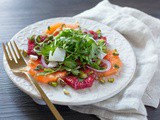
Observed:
{"x":97,"y":92}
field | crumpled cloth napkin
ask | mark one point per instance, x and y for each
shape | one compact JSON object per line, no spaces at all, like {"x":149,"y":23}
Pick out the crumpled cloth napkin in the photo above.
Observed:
{"x":143,"y":33}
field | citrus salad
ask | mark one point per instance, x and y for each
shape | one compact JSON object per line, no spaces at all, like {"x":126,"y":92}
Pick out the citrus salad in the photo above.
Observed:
{"x":69,"y":55}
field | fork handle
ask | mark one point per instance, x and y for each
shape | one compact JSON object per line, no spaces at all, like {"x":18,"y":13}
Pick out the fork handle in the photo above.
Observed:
{"x":45,"y":98}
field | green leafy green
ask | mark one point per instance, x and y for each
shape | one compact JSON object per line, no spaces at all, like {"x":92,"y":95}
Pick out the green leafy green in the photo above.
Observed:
{"x":99,"y":33}
{"x":75,"y":71}
{"x":49,"y":27}
{"x":32,"y":38}
{"x":39,"y":67}
{"x":80,"y":49}
{"x":46,"y":71}
{"x":70,"y":64}
{"x":46,"y":49}
{"x":54,"y":84}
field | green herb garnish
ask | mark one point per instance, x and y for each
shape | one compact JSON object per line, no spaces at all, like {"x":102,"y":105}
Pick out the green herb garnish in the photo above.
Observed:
{"x":99,"y":33}
{"x":102,"y":81}
{"x":78,"y":46}
{"x":116,"y":66}
{"x":82,"y":75}
{"x":49,"y":27}
{"x":32,"y":38}
{"x":39,"y":67}
{"x":115,"y":53}
{"x":54,"y":84}
{"x":111,"y":80}
{"x":46,"y":72}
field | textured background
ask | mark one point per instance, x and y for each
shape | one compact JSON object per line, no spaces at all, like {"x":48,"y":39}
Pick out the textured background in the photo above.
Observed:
{"x":17,"y":14}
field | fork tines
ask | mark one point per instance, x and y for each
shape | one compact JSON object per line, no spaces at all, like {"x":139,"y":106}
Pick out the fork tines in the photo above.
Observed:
{"x":12,"y":53}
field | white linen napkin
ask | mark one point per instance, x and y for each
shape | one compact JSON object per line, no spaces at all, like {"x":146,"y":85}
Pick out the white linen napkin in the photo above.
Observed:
{"x":143,"y":33}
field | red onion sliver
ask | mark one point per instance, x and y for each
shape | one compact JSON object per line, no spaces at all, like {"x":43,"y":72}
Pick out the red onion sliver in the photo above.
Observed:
{"x":43,"y":62}
{"x":107,"y":69}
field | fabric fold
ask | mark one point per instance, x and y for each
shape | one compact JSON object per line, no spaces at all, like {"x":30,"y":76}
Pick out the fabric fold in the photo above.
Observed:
{"x":142,"y":32}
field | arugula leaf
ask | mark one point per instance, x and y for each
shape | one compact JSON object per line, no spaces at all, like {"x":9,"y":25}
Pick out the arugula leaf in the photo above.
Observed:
{"x":78,"y":46}
{"x":49,"y":27}
{"x":38,"y":67}
{"x":99,"y":33}
{"x":70,"y":63}
{"x":75,"y":71}
{"x":46,"y":71}
{"x":102,"y":45}
{"x":46,"y":49}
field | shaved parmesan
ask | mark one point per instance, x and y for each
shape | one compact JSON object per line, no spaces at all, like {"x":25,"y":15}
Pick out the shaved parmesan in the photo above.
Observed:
{"x":58,"y":55}
{"x":33,"y":57}
{"x":52,"y":64}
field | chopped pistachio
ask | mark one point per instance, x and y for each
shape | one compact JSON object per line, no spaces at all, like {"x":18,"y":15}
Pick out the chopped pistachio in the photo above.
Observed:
{"x":83,"y":75}
{"x":38,"y":67}
{"x":111,"y":80}
{"x":63,"y":26}
{"x":99,"y":33}
{"x":102,"y":81}
{"x":116,"y":66}
{"x":49,"y":27}
{"x":66,"y":92}
{"x":38,"y":39}
{"x":32,"y":38}
{"x":115,"y":50}
{"x":79,"y":27}
{"x":115,"y":53}
{"x":61,"y":82}
{"x":77,"y":23}
{"x":91,"y":72}
{"x":31,"y":62}
{"x":50,"y":37}
{"x":54,"y":84}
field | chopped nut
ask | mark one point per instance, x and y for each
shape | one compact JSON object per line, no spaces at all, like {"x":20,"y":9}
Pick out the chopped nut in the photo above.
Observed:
{"x":66,"y":92}
{"x":54,"y":84}
{"x":61,"y":82}
{"x":102,"y":81}
{"x":115,"y":53}
{"x":111,"y":80}
{"x":32,"y":38}
{"x":91,"y":72}
{"x":38,"y":67}
{"x":116,"y":66}
{"x":49,"y":27}
{"x":83,"y":75}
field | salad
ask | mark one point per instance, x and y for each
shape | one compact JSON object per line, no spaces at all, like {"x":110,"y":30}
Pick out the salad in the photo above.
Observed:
{"x":67,"y":54}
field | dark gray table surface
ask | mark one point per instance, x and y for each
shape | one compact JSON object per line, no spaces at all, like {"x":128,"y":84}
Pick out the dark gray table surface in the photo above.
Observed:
{"x":17,"y":14}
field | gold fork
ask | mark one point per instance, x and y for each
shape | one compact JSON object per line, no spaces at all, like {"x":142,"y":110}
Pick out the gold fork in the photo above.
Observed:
{"x":17,"y":65}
